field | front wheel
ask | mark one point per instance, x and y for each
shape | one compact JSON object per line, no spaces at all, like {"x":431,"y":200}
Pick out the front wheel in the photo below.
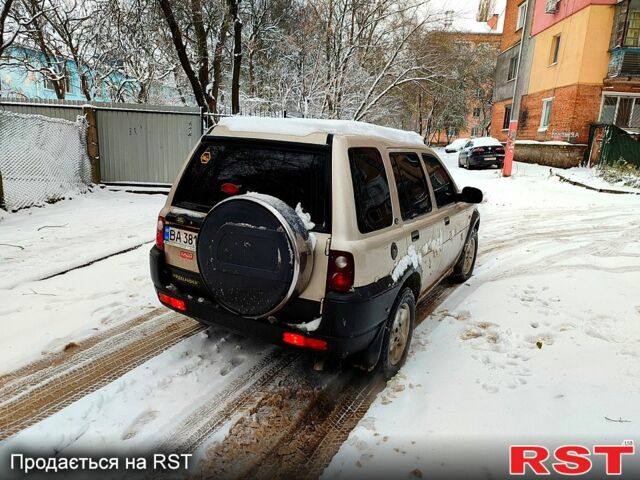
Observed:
{"x":464,"y":268}
{"x":398,"y":334}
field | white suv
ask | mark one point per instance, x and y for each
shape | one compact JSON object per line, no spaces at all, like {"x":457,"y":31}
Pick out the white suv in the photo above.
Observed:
{"x":311,"y":233}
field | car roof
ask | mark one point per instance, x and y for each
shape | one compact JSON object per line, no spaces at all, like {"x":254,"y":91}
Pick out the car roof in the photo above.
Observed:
{"x":305,"y":130}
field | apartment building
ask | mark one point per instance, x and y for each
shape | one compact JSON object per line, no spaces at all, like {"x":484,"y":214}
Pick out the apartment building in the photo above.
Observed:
{"x":565,"y":65}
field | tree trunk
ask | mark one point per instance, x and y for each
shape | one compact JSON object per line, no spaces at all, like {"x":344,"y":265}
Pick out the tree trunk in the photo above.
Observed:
{"x":201,"y":45}
{"x":3,"y":18}
{"x":178,"y":43}
{"x":237,"y":56}
{"x":250,"y":79}
{"x":217,"y":63}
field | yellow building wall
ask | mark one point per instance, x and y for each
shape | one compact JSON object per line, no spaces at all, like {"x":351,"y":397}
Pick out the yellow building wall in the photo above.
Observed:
{"x":584,"y":50}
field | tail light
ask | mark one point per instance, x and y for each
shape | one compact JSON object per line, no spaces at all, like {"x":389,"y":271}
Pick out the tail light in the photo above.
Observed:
{"x":477,"y":150}
{"x":160,"y":233}
{"x":304,"y":342}
{"x":230,"y":188}
{"x":500,"y":150}
{"x":172,"y":301}
{"x":341,"y":271}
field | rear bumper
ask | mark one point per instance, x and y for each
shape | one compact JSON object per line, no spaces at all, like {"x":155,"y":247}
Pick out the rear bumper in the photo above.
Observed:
{"x":485,"y":160}
{"x":350,"y":322}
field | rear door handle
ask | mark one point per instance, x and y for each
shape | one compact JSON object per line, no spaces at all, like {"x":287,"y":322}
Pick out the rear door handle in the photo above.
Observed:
{"x":447,"y":220}
{"x":415,"y":235}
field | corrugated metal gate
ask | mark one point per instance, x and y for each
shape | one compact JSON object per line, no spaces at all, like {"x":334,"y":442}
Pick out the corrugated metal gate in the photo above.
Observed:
{"x":144,"y":145}
{"x":137,"y":143}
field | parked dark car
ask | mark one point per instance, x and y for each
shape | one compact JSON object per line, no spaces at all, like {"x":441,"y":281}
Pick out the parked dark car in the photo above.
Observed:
{"x":481,"y":152}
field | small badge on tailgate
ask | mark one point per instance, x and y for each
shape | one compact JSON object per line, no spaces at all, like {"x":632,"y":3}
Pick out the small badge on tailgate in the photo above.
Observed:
{"x":186,"y":255}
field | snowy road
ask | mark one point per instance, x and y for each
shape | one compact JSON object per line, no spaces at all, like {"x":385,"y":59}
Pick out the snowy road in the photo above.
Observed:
{"x":543,"y":342}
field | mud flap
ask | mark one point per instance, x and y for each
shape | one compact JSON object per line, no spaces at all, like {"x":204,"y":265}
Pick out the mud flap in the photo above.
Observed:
{"x":368,"y":359}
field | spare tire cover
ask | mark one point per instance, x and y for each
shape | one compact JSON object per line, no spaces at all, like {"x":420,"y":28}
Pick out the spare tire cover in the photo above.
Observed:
{"x":254,"y":254}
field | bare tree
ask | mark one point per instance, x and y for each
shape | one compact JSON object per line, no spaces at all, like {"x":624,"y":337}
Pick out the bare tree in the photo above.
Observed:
{"x":13,"y":21}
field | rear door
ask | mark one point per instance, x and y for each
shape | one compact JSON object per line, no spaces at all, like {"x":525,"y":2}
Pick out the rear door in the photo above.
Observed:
{"x":378,"y":240}
{"x":417,"y":211}
{"x":297,"y":174}
{"x":453,"y":217}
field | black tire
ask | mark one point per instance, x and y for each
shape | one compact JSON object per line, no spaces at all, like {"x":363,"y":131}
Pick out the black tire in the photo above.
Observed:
{"x":500,"y":165}
{"x":464,"y":268}
{"x":391,"y":359}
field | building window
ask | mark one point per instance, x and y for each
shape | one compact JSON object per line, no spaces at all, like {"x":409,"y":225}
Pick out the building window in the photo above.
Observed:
{"x":522,"y":16}
{"x":513,"y":68}
{"x":48,"y":84}
{"x":626,"y":30}
{"x":632,"y":38}
{"x":621,"y":110}
{"x":477,"y":112}
{"x":555,"y":50}
{"x":507,"y":117}
{"x":547,"y":103}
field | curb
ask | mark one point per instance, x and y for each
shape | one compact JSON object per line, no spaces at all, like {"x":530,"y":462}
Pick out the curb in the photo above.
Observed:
{"x":595,"y":189}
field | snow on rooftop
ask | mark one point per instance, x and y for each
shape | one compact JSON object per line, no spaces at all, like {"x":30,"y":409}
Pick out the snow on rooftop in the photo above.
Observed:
{"x":306,"y":126}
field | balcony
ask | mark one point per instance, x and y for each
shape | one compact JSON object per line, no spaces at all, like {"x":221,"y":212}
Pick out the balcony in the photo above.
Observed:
{"x":624,"y":64}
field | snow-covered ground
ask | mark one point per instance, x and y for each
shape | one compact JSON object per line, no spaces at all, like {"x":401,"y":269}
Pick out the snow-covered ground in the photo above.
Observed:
{"x":592,"y":177}
{"x":42,"y":316}
{"x":541,"y":345}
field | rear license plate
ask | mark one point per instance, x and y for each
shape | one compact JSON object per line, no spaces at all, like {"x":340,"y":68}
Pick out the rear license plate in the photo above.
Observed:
{"x":180,"y":238}
{"x":489,"y":158}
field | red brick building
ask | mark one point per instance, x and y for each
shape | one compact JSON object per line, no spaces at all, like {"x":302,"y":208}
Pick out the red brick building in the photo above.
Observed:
{"x":569,"y":65}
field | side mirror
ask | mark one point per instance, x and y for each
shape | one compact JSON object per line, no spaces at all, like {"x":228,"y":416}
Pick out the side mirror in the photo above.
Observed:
{"x":470,"y":195}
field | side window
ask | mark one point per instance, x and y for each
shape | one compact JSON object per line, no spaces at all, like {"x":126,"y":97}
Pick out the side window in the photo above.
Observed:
{"x":443,"y":187}
{"x":413,"y":191}
{"x":371,"y":188}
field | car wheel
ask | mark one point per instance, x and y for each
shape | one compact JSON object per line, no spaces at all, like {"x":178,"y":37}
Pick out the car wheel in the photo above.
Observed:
{"x":500,"y":165}
{"x":467,"y":262}
{"x":398,"y":334}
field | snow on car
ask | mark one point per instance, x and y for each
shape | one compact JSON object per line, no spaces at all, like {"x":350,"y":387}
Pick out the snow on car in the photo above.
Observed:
{"x":456,"y":145}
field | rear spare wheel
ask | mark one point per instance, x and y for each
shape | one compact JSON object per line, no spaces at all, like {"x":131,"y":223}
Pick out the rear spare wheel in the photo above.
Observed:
{"x":254,"y":254}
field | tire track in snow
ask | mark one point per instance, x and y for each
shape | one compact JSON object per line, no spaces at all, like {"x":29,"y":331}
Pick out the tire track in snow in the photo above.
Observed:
{"x":237,"y":398}
{"x":39,"y":390}
{"x":289,"y":421}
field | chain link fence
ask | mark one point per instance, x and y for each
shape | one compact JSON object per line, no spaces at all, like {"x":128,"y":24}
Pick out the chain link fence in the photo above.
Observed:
{"x":42,"y":159}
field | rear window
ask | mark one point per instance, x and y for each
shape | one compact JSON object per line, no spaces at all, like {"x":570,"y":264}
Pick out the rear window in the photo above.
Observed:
{"x":371,"y":189}
{"x":293,"y":173}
